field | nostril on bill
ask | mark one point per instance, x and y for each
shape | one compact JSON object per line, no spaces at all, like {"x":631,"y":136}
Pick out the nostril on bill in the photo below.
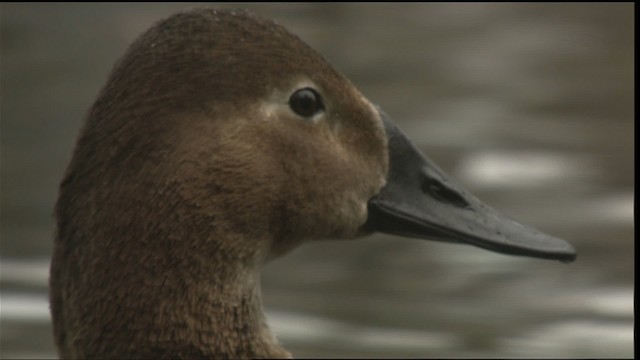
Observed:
{"x":442,"y":193}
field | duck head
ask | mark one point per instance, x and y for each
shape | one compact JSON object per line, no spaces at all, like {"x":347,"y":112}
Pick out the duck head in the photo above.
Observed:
{"x":221,"y":141}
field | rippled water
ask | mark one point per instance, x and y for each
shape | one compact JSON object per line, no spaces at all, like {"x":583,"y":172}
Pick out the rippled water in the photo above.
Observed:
{"x":530,"y":106}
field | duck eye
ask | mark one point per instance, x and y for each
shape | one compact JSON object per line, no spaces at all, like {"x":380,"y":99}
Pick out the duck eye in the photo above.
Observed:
{"x":306,"y":102}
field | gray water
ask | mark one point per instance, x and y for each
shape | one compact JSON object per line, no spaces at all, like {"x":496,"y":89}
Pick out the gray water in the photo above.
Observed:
{"x":530,"y":106}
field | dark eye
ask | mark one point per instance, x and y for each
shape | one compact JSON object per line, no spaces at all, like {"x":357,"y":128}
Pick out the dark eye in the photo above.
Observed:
{"x":306,"y":102}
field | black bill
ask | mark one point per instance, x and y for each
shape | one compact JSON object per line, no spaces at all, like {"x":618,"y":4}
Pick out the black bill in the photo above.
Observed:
{"x":420,"y":201}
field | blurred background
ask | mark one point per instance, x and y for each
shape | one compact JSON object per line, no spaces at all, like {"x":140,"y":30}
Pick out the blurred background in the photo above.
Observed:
{"x":529,"y":106}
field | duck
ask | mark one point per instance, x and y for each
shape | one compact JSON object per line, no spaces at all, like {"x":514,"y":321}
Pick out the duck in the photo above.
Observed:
{"x":221,"y":141}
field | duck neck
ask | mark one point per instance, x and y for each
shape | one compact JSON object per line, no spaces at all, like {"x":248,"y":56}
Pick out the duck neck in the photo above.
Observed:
{"x":203,"y":306}
{"x":224,"y":317}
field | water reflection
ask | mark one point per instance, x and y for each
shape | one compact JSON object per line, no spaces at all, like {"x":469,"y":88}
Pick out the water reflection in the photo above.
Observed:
{"x":530,"y":106}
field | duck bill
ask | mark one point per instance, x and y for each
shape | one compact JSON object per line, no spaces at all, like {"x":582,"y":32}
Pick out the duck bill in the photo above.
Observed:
{"x":421,"y":201}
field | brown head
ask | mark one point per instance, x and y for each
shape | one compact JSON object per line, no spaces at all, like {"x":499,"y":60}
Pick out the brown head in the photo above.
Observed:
{"x":221,"y":141}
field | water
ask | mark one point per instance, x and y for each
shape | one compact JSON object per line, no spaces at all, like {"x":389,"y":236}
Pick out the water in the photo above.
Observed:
{"x":529,"y":106}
